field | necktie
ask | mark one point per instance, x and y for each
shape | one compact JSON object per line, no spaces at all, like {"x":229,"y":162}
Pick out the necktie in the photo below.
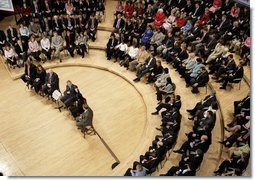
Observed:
{"x":118,"y":24}
{"x":209,"y":43}
{"x":92,"y":25}
{"x":28,"y":70}
{"x":221,"y":24}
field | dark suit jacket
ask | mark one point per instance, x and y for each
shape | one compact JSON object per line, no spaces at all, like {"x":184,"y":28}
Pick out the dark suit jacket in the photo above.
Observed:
{"x":15,"y":33}
{"x":87,"y":117}
{"x":2,"y":35}
{"x":70,"y":41}
{"x":168,"y":42}
{"x":90,"y":24}
{"x":18,"y":49}
{"x":66,"y":22}
{"x":152,"y":63}
{"x":211,"y":44}
{"x":208,"y":100}
{"x":38,"y":6}
{"x":43,"y":25}
{"x":122,"y":23}
{"x":140,"y":28}
{"x":178,"y":104}
{"x":57,"y":27}
{"x":198,"y":13}
{"x":54,"y":80}
{"x":230,"y":66}
{"x":112,"y":43}
{"x":71,"y":90}
{"x":32,"y":70}
{"x":202,"y":79}
{"x":238,"y":73}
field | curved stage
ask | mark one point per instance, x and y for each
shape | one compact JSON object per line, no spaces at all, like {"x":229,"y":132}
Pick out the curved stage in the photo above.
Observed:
{"x":48,"y":143}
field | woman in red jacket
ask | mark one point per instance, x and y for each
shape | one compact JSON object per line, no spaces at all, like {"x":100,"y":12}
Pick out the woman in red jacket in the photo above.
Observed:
{"x":129,"y":10}
{"x":203,"y":20}
{"x":216,"y":5}
{"x":159,"y":18}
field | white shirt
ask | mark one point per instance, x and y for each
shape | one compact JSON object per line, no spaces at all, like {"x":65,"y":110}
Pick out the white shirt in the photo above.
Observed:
{"x":45,"y":44}
{"x":133,"y":52}
{"x":24,"y":31}
{"x":9,"y":54}
{"x":123,"y":47}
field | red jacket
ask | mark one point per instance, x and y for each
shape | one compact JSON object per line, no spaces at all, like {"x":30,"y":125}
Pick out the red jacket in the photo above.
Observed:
{"x":159,"y":18}
{"x":204,"y":19}
{"x":180,"y":22}
{"x":129,"y":10}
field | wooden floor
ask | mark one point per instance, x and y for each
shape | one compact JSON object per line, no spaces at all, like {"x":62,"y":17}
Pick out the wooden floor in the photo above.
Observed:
{"x":35,"y":139}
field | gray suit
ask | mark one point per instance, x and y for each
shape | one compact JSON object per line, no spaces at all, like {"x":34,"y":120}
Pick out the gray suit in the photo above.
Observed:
{"x":85,"y":119}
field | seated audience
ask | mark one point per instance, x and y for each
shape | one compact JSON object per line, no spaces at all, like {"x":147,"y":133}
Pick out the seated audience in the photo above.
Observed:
{"x":9,"y":54}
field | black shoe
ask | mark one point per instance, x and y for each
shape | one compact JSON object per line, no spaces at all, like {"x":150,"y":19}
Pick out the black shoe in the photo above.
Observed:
{"x":154,"y":113}
{"x":189,"y":110}
{"x":136,"y":80}
{"x":221,"y":142}
{"x":158,"y":129}
{"x":216,"y":172}
{"x":222,"y":87}
{"x":218,"y":81}
{"x":191,"y":118}
{"x":178,"y":151}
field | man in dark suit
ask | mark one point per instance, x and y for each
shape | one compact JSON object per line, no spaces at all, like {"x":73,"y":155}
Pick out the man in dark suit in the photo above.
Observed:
{"x":193,"y":34}
{"x":118,"y":24}
{"x":223,"y":25}
{"x":177,"y":102}
{"x":207,"y":47}
{"x":70,"y":94}
{"x":12,"y":35}
{"x":21,"y":50}
{"x":206,"y":102}
{"x":205,"y":123}
{"x":139,"y":29}
{"x":2,"y":41}
{"x":242,"y":104}
{"x":200,"y":81}
{"x":234,"y":77}
{"x":70,"y":42}
{"x":36,"y":9}
{"x":30,"y":73}
{"x":51,"y":83}
{"x":148,"y":66}
{"x":69,"y":23}
{"x":86,"y":118}
{"x":92,"y":27}
{"x":57,"y":24}
{"x":194,"y":159}
{"x":110,"y":46}
{"x":167,"y":104}
{"x":46,"y":25}
{"x":226,"y":67}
